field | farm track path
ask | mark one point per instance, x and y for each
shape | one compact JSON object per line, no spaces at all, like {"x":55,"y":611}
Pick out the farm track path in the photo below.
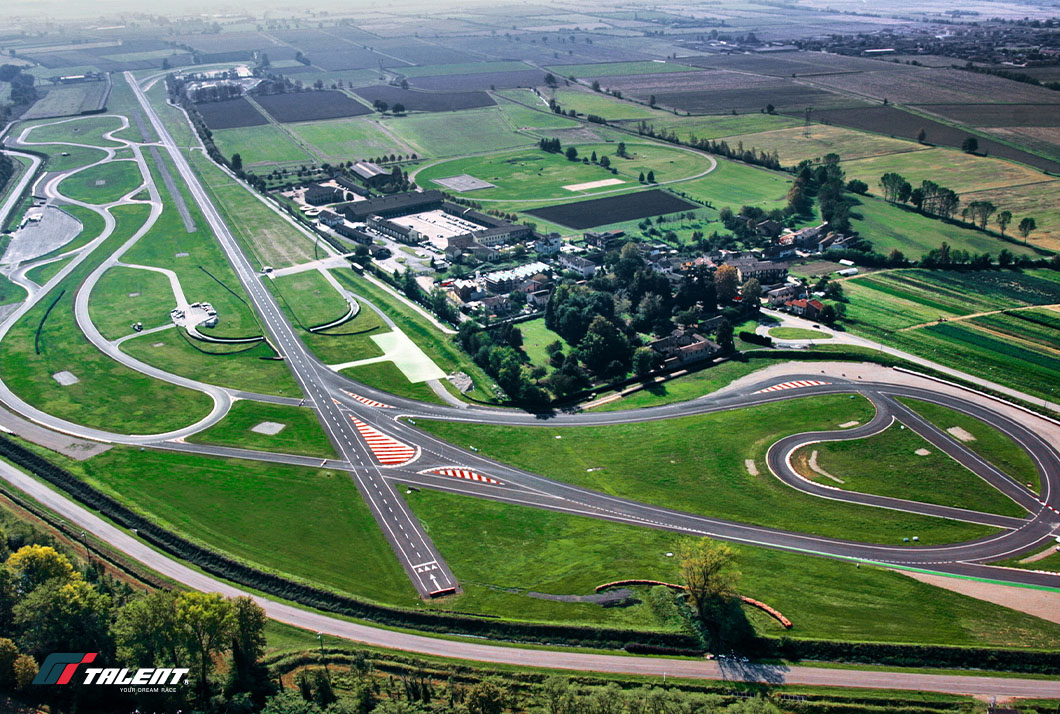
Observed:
{"x":1054,"y":306}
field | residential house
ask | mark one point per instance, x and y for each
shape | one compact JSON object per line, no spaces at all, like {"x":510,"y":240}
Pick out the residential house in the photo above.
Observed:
{"x":568,"y":261}
{"x":765,"y":272}
{"x":780,"y":296}
{"x":684,"y":346}
{"x":548,"y":245}
{"x":810,"y":309}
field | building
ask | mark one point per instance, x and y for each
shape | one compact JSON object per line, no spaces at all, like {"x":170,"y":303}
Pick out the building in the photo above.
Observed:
{"x":317,"y":195}
{"x":604,"y":240}
{"x":501,"y":235}
{"x":684,"y":346}
{"x":569,"y":261}
{"x":780,"y":296}
{"x":330,"y":219}
{"x":371,"y":174}
{"x":398,"y":232}
{"x":398,"y":204}
{"x":351,"y":185}
{"x":548,"y":245}
{"x":355,"y":234}
{"x":810,"y":309}
{"x":504,"y":281}
{"x":765,"y":272}
{"x":769,"y":228}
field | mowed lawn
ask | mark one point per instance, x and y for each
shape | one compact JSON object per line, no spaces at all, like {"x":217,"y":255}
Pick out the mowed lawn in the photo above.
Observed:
{"x":308,"y":523}
{"x":104,"y":183}
{"x":716,"y":127}
{"x":387,"y":377}
{"x":588,"y":102}
{"x":988,"y":442}
{"x":347,"y":139}
{"x":734,"y":184}
{"x":310,"y":296}
{"x":441,"y":134}
{"x":499,"y":552}
{"x":540,"y":117}
{"x":108,"y":395}
{"x":888,"y":464}
{"x":124,"y":296}
{"x":260,"y":145}
{"x":301,"y":433}
{"x":698,"y":464}
{"x":88,"y":130}
{"x":536,"y":337}
{"x":536,"y":174}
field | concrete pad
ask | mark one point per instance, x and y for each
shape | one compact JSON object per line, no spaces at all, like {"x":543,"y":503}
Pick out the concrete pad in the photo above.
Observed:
{"x":159,"y":344}
{"x":848,"y":424}
{"x":960,"y":434}
{"x":593,"y":184}
{"x":463,"y":182}
{"x":132,"y":295}
{"x":65,"y":378}
{"x":101,"y":182}
{"x":406,"y":356}
{"x":181,"y":255}
{"x":268,"y":428}
{"x":922,"y":452}
{"x":55,"y":229}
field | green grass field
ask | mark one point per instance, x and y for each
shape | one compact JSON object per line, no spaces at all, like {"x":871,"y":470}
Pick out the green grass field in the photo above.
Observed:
{"x":536,"y":337}
{"x":614,"y":69}
{"x":989,"y":443}
{"x":522,"y":117}
{"x":500,"y":551}
{"x":535,"y":174}
{"x":118,"y":179}
{"x":734,"y":184}
{"x":91,"y":227}
{"x":260,"y":145}
{"x":10,"y":293}
{"x":585,"y":101}
{"x":87,"y":130}
{"x":696,"y":464}
{"x":76,"y":157}
{"x":949,"y":167}
{"x":797,"y":143}
{"x":387,"y":376}
{"x":127,"y":295}
{"x":302,"y":433}
{"x":266,"y":237}
{"x":173,"y":119}
{"x":887,"y":465}
{"x":347,"y":139}
{"x":311,"y":297}
{"x":43,"y":273}
{"x":447,"y":134}
{"x":308,"y":523}
{"x":108,"y":395}
{"x":796,"y":333}
{"x":890,"y":227}
{"x":716,"y":127}
{"x":1040,"y":200}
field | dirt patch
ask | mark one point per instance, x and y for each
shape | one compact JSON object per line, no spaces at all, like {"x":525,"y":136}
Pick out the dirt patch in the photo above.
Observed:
{"x":812,"y":463}
{"x":960,"y":434}
{"x":611,"y":598}
{"x":1039,"y":603}
{"x":848,"y":424}
{"x":752,"y":467}
{"x":922,"y":452}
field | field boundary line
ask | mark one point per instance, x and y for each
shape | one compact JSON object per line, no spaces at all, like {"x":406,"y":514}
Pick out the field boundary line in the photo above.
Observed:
{"x":1054,"y":306}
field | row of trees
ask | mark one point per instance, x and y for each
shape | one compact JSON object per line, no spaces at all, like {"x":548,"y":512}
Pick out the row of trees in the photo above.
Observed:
{"x":749,"y":155}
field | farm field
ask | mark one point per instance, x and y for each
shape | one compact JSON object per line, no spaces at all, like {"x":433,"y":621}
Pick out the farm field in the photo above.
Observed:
{"x":347,"y":139}
{"x":310,"y":106}
{"x":704,"y":473}
{"x":478,"y":81}
{"x":257,"y":512}
{"x":1038,"y":200}
{"x":890,"y":227}
{"x":500,"y":552}
{"x":899,"y":471}
{"x":534,"y":174}
{"x":613,"y":209}
{"x":262,"y":145}
{"x":715,"y":127}
{"x":88,"y":130}
{"x":301,"y":433}
{"x":65,"y":100}
{"x":951,"y":168}
{"x":108,"y":395}
{"x":927,"y":85}
{"x":988,"y":442}
{"x":104,"y":183}
{"x":992,"y":115}
{"x":611,"y":69}
{"x":891,"y":121}
{"x":586,"y":102}
{"x":480,"y":130}
{"x":1040,"y":139}
{"x":433,"y":69}
{"x":798,"y":143}
{"x":797,"y":333}
{"x":230,"y":114}
{"x":418,"y":101}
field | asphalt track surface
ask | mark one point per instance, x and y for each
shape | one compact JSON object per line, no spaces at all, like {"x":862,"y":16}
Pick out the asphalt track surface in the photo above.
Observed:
{"x":332,"y":396}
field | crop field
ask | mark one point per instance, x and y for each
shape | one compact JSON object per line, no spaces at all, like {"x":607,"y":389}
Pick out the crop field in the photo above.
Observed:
{"x":434,"y":69}
{"x":717,"y":126}
{"x":535,"y":174}
{"x":422,"y":53}
{"x":1040,"y":200}
{"x":926,"y":85}
{"x":612,"y":69}
{"x":809,"y":142}
{"x":992,"y":115}
{"x":230,"y":114}
{"x":88,"y":130}
{"x":891,"y":121}
{"x":311,"y":106}
{"x":888,"y":227}
{"x":480,"y":80}
{"x":418,"y":101}
{"x":347,"y":139}
{"x":898,"y":471}
{"x":108,"y":395}
{"x":1041,"y":139}
{"x":265,"y":144}
{"x":499,"y":552}
{"x":788,"y":97}
{"x":954,"y":169}
{"x":613,"y":209}
{"x":103,"y":183}
{"x":689,"y":464}
{"x":587,"y":102}
{"x":69,"y":99}
{"x":438,"y":135}
{"x":1031,"y":329}
{"x":351,"y":58}
{"x":790,"y":63}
